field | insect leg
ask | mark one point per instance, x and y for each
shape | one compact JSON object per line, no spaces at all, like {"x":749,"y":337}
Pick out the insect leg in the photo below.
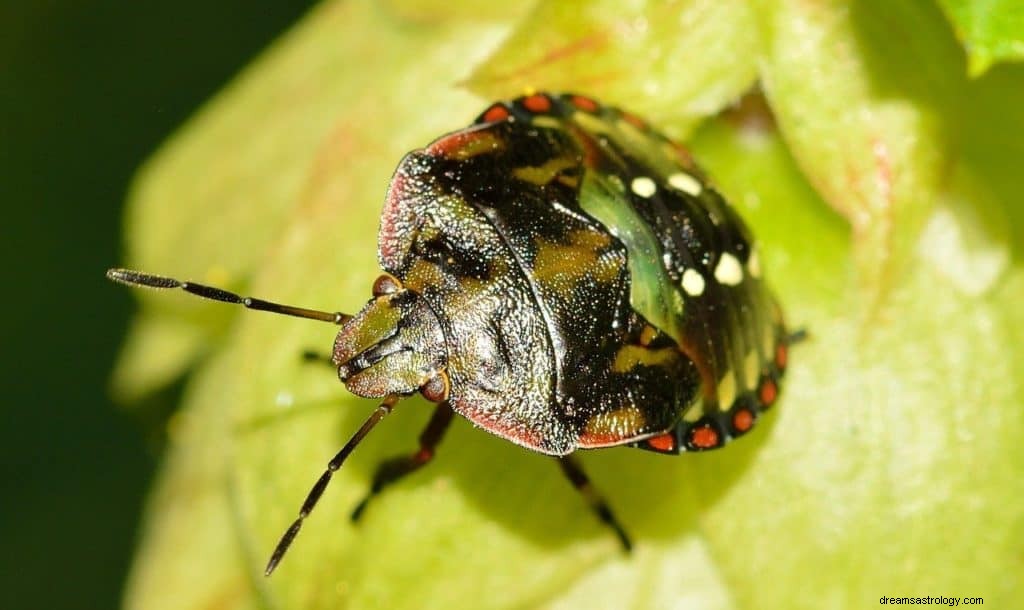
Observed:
{"x":395,"y":468}
{"x":382,"y":410}
{"x":579,"y":480}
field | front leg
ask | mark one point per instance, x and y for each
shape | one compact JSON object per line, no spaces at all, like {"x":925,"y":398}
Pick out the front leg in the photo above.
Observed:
{"x":395,"y":468}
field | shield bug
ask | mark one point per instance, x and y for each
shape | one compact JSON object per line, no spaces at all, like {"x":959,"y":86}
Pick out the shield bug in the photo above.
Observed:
{"x":564,"y":277}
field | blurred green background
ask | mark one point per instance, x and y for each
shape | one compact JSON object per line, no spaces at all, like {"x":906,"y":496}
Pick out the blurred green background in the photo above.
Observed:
{"x":88,"y":89}
{"x":856,"y":487}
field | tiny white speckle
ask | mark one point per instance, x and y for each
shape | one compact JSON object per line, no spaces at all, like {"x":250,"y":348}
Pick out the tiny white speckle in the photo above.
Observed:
{"x":693,"y":282}
{"x":729,"y":271}
{"x":284,"y":399}
{"x":685,"y":183}
{"x":754,"y":264}
{"x":643,"y":186}
{"x":727,"y":390}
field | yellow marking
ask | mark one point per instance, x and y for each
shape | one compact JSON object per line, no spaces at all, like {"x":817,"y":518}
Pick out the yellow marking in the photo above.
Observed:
{"x":556,"y":262}
{"x":543,"y":174}
{"x":693,"y":282}
{"x":631,"y":131}
{"x":549,"y":122}
{"x":633,"y":355}
{"x":591,"y":239}
{"x":769,"y":340}
{"x":751,"y":368}
{"x":643,"y":186}
{"x":727,"y":391}
{"x":754,"y":264}
{"x":620,"y":423}
{"x":647,"y":335}
{"x":572,"y":182}
{"x":695,"y":412}
{"x":476,"y":143}
{"x":423,"y":273}
{"x":591,"y":123}
{"x":686,"y":183}
{"x":729,"y":271}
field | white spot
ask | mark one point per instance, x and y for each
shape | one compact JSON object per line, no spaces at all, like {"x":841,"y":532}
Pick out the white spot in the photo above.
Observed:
{"x":727,"y":390}
{"x":729,"y":271}
{"x":751,"y":369}
{"x":643,"y":186}
{"x":284,"y":399}
{"x":754,"y":264}
{"x":686,"y":183}
{"x":693,"y":282}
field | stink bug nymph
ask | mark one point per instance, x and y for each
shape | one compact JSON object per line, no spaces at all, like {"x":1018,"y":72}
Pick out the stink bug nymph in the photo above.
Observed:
{"x":565,"y":278}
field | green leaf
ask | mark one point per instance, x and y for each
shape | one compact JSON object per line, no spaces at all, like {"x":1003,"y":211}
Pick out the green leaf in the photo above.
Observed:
{"x":865,"y":123}
{"x":990,"y":30}
{"x":892,"y":466}
{"x":675,"y":63}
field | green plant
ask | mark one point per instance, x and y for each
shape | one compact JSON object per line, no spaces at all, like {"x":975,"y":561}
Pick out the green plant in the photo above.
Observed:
{"x":884,"y":184}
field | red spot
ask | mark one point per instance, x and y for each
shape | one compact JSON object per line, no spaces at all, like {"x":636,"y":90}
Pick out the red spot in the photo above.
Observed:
{"x":743,"y":420}
{"x":781,"y":356}
{"x":584,"y":103}
{"x":634,"y":120}
{"x":704,"y":437}
{"x":665,"y":442}
{"x":768,"y":393}
{"x":537,"y":103}
{"x":496,"y":113}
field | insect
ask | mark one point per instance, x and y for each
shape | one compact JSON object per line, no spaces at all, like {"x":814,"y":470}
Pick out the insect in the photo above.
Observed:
{"x":565,"y":278}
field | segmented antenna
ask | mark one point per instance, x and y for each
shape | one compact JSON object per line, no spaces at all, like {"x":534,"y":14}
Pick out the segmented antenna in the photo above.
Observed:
{"x":321,"y":484}
{"x":138,"y":278}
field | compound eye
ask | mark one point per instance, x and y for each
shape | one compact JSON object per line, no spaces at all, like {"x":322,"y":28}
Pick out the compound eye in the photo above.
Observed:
{"x":436,"y":388}
{"x":386,"y":284}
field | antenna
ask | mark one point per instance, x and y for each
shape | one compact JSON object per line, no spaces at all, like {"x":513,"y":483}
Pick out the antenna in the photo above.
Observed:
{"x":148,"y":280}
{"x":321,"y":484}
{"x":138,"y":278}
